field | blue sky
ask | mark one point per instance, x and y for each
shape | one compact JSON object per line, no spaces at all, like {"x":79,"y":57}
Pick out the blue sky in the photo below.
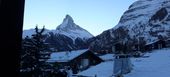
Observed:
{"x":92,"y":15}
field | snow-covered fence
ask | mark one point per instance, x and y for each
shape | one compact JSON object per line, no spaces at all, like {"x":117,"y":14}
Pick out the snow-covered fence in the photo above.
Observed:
{"x":122,"y":64}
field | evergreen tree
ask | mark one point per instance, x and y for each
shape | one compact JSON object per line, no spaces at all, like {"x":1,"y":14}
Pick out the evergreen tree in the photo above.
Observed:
{"x":35,"y":53}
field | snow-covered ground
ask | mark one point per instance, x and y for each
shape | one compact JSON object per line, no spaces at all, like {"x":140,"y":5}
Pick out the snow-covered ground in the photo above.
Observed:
{"x":107,"y":57}
{"x":104,"y":69}
{"x":156,"y":65}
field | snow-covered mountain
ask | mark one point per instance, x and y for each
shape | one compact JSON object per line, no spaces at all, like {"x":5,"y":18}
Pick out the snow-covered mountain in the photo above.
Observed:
{"x":70,"y":29}
{"x":147,"y":18}
{"x":144,"y":18}
{"x":29,"y":32}
{"x":67,"y":35}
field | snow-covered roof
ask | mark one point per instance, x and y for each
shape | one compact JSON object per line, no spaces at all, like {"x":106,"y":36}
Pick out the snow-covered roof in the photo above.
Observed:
{"x":151,"y":42}
{"x":65,"y":56}
{"x":168,"y":39}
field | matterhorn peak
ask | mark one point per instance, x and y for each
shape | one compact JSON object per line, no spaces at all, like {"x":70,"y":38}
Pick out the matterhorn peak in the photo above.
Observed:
{"x":68,"y":24}
{"x":70,"y":29}
{"x":68,"y":18}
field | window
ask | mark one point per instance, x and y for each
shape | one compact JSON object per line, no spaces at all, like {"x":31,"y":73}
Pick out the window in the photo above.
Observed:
{"x":85,"y":62}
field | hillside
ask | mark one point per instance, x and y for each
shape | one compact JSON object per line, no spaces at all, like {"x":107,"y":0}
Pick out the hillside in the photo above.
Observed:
{"x":149,"y":19}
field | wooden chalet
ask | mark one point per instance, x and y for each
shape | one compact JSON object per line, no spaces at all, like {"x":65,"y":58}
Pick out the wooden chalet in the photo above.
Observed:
{"x":158,"y":44}
{"x":78,"y":60}
{"x":167,"y":43}
{"x":149,"y":47}
{"x":101,"y":52}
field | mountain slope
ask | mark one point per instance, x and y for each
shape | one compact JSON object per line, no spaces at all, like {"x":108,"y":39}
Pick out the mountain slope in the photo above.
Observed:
{"x":147,"y":18}
{"x":144,"y":18}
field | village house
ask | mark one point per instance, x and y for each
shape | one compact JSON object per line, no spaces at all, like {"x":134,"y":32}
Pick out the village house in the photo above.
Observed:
{"x":78,"y":60}
{"x":167,"y":43}
{"x":157,"y":44}
{"x":102,"y":52}
{"x":149,"y":46}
